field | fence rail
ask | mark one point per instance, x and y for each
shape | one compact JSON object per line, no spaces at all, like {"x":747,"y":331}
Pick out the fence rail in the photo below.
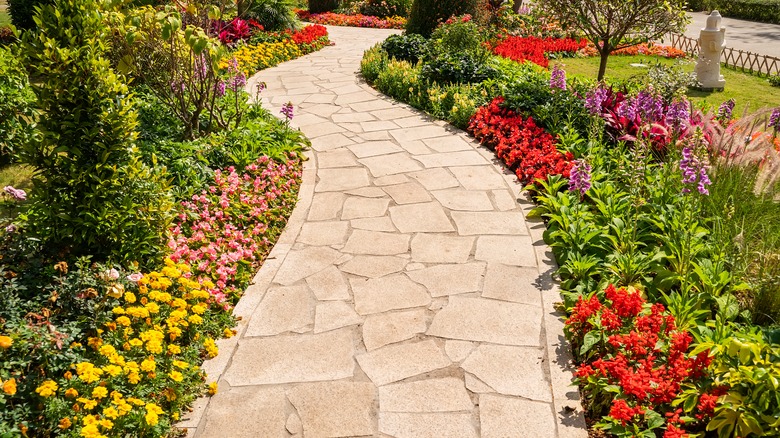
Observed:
{"x":740,"y":59}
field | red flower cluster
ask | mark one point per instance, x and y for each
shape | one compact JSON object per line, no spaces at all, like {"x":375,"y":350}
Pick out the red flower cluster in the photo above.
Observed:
{"x":535,"y":49}
{"x":236,"y":29}
{"x":310,"y":38}
{"x":649,"y":49}
{"x":645,"y":356}
{"x":523,"y":146}
{"x":357,"y":20}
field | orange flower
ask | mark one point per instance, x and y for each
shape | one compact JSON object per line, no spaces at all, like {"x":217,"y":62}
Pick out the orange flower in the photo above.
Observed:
{"x":6,"y":342}
{"x":9,"y":387}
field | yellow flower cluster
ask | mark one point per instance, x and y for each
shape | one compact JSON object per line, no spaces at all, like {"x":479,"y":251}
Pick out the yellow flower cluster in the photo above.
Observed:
{"x":151,"y":328}
{"x":252,"y":58}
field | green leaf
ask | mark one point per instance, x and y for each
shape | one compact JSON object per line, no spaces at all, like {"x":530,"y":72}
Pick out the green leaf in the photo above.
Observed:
{"x":589,"y":340}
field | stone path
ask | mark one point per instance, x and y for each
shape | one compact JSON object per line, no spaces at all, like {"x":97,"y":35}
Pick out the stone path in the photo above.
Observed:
{"x":408,"y":296}
{"x":752,"y":36}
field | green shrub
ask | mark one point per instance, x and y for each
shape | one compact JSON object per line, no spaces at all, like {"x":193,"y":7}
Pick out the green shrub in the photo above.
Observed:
{"x":22,"y":11}
{"x":373,"y":63}
{"x":319,"y":6}
{"x":274,"y":15}
{"x":462,"y":68}
{"x":91,"y":194}
{"x":756,"y":10}
{"x":16,"y":101}
{"x":426,"y":15}
{"x":459,"y":37}
{"x":386,"y":8}
{"x":409,"y":47}
{"x":775,"y":80}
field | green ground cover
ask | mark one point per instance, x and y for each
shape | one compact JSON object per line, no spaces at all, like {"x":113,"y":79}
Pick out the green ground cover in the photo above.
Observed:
{"x":5,"y":19}
{"x":751,"y":92}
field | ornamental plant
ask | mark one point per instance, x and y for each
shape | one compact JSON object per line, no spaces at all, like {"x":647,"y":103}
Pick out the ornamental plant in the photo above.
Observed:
{"x":536,"y":50}
{"x":635,"y":365}
{"x":354,"y":20}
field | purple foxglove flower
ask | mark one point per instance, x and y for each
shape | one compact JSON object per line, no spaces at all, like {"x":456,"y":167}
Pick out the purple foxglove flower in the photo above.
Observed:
{"x":219,"y":89}
{"x":287,"y":110}
{"x":725,"y":110}
{"x":579,"y":179}
{"x":678,"y":114}
{"x":595,"y":99}
{"x":558,"y":78}
{"x":774,"y":119}
{"x":693,"y":172}
{"x":237,"y":82}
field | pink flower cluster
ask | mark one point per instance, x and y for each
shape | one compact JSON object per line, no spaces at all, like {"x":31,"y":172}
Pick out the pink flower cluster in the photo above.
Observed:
{"x":225,"y":231}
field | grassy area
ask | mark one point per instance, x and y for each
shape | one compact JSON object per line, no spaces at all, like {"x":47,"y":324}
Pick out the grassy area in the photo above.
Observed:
{"x":5,"y":19}
{"x":17,"y":176}
{"x":748,"y":90}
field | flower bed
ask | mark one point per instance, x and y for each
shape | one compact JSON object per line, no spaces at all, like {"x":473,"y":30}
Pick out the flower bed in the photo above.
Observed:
{"x":648,"y":49}
{"x":357,"y":20}
{"x":274,"y":48}
{"x":536,"y":50}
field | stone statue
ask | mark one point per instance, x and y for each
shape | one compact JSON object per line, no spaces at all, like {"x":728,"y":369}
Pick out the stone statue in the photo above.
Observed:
{"x":712,"y":41}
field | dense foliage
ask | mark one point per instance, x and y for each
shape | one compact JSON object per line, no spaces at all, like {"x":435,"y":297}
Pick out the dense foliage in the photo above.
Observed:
{"x":319,"y":6}
{"x":354,"y":20}
{"x":16,"y":106}
{"x":426,"y":15}
{"x":23,"y":11}
{"x":767,"y":11}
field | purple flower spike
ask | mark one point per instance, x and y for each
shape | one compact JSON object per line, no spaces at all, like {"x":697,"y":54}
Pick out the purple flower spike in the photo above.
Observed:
{"x":725,"y":110}
{"x":220,"y":88}
{"x":678,"y":114}
{"x":694,"y":172}
{"x":579,"y":179}
{"x":774,"y":119}
{"x":287,"y":110}
{"x":558,"y":78}
{"x":595,"y":99}
{"x":237,"y":82}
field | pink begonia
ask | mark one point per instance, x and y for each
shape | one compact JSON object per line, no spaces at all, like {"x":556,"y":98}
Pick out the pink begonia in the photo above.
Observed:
{"x":136,"y":277}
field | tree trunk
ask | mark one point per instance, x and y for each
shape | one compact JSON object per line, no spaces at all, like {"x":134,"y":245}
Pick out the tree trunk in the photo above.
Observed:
{"x":604,"y":52}
{"x":517,"y":5}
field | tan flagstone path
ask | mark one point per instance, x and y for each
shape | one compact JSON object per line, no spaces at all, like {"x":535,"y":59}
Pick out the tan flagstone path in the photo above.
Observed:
{"x":408,"y":296}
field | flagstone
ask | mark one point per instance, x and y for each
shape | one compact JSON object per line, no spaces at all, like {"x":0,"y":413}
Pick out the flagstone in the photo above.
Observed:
{"x":466,"y":200}
{"x":408,"y":193}
{"x":430,"y":395}
{"x":331,"y":315}
{"x":359,"y":207}
{"x":393,"y":292}
{"x":435,"y":179}
{"x":329,"y":284}
{"x":478,"y":177}
{"x":390,"y":164}
{"x":302,"y":263}
{"x":335,"y":409}
{"x":374,"y":224}
{"x":420,"y":218}
{"x":509,"y":370}
{"x":509,"y":250}
{"x":374,"y":266}
{"x":447,"y":159}
{"x":338,"y":180}
{"x":441,"y":280}
{"x":388,"y":328}
{"x":502,"y":417}
{"x":397,"y":362}
{"x":512,"y":283}
{"x":283,"y":309}
{"x":324,"y":233}
{"x":427,"y":425}
{"x":376,"y":243}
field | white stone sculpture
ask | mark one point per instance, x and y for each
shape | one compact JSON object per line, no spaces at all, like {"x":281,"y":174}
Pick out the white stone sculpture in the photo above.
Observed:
{"x":712,"y":41}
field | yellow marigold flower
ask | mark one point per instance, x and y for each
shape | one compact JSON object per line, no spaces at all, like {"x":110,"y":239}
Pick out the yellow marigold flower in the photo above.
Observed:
{"x":94,"y":342}
{"x":65,"y":423}
{"x":112,"y":370}
{"x":68,"y":375}
{"x":138,"y":312}
{"x":100,"y":392}
{"x":135,"y":401}
{"x":47,"y":388}
{"x":71,"y":393}
{"x":9,"y":386}
{"x":153,"y":308}
{"x":178,"y":302}
{"x":75,"y":345}
{"x":134,"y":378}
{"x":148,"y":365}
{"x":170,"y":271}
{"x":152,"y":411}
{"x":135,"y":342}
{"x":228,"y":333}
{"x":211,"y":347}
{"x":181,"y":364}
{"x":174,"y":349}
{"x":124,"y":408}
{"x":89,"y":419}
{"x":110,"y":412}
{"x":123,"y":321}
{"x":176,"y":376}
{"x":88,"y":373}
{"x":6,"y":342}
{"x":199,"y":309}
{"x":154,"y":347}
{"x":118,"y":310}
{"x":106,"y":424}
{"x":195,"y":319}
{"x":212,"y":388}
{"x":107,"y":350}
{"x":130,"y":297}
{"x":89,"y":404}
{"x":91,"y":431}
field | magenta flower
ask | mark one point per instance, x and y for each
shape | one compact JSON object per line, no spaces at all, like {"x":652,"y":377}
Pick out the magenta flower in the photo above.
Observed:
{"x":725,"y":110}
{"x":287,"y":110}
{"x":558,"y":78}
{"x":774,"y":119}
{"x":694,"y":172}
{"x":17,"y":194}
{"x":579,"y":179}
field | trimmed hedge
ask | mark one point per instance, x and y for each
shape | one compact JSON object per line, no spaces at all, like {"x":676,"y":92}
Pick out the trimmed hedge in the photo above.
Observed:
{"x":767,"y":11}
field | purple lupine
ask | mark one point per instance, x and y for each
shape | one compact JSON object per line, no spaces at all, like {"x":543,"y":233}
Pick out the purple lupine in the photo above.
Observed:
{"x":774,"y":119}
{"x":237,"y":82}
{"x":725,"y":110}
{"x":694,"y":172}
{"x":287,"y":110}
{"x":558,"y":78}
{"x":579,"y":178}
{"x":646,"y":107}
{"x":219,"y":88}
{"x":595,"y":99}
{"x":678,"y":114}
{"x":18,"y":194}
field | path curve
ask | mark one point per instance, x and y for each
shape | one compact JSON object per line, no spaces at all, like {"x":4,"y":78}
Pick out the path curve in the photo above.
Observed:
{"x":407,"y":297}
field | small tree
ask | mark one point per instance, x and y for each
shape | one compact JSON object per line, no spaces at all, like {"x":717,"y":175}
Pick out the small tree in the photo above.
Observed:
{"x":612,"y":24}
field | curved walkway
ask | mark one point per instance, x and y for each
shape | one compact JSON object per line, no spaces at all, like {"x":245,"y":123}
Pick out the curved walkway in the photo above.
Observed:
{"x":408,"y":296}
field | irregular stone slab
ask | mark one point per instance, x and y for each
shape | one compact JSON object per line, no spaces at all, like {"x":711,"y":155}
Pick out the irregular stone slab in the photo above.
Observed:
{"x":504,"y":200}
{"x":478,"y":177}
{"x":371,"y":105}
{"x":333,"y":315}
{"x":376,"y":243}
{"x":416,"y":147}
{"x":294,"y":424}
{"x":501,"y":417}
{"x":339,"y":180}
{"x":374,"y":266}
{"x":326,"y":206}
{"x":408,"y":193}
{"x":433,"y":395}
{"x":303,"y":263}
{"x":398,"y":362}
{"x":283,"y":309}
{"x":389,"y":328}
{"x":390,"y":180}
{"x":374,"y":136}
{"x":419,"y":133}
{"x":374,"y":224}
{"x":381,"y":125}
{"x":510,"y":370}
{"x":512,"y":283}
{"x":420,"y":218}
{"x":458,"y":350}
{"x":329,"y":142}
{"x":393,"y":292}
{"x":368,"y":192}
{"x":466,"y":200}
{"x":390,"y":164}
{"x":329,"y":284}
{"x":438,"y":425}
{"x":447,"y":159}
{"x":357,"y":207}
{"x":245,"y":413}
{"x":358,"y":96}
{"x":324,"y":233}
{"x":467,"y":319}
{"x":308,"y":119}
{"x":391,"y":114}
{"x":449,"y":143}
{"x":435,"y":179}
{"x":335,"y":409}
{"x":374,"y":148}
{"x":321,"y":129}
{"x":410,"y":122}
{"x":436,"y":248}
{"x":352,"y":117}
{"x":481,"y":223}
{"x":441,"y":280}
{"x":509,"y":250}
{"x":477,"y":386}
{"x":336,"y":158}
{"x":289,"y":359}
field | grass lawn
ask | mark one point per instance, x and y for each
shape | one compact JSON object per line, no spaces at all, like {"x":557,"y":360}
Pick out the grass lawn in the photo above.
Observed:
{"x":748,"y":90}
{"x":5,"y":19}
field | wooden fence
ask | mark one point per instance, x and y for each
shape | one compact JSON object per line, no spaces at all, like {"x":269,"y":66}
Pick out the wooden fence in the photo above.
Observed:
{"x":739,"y":59}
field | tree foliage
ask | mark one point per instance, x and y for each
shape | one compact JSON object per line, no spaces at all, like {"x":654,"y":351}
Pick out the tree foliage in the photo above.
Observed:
{"x":613,"y":25}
